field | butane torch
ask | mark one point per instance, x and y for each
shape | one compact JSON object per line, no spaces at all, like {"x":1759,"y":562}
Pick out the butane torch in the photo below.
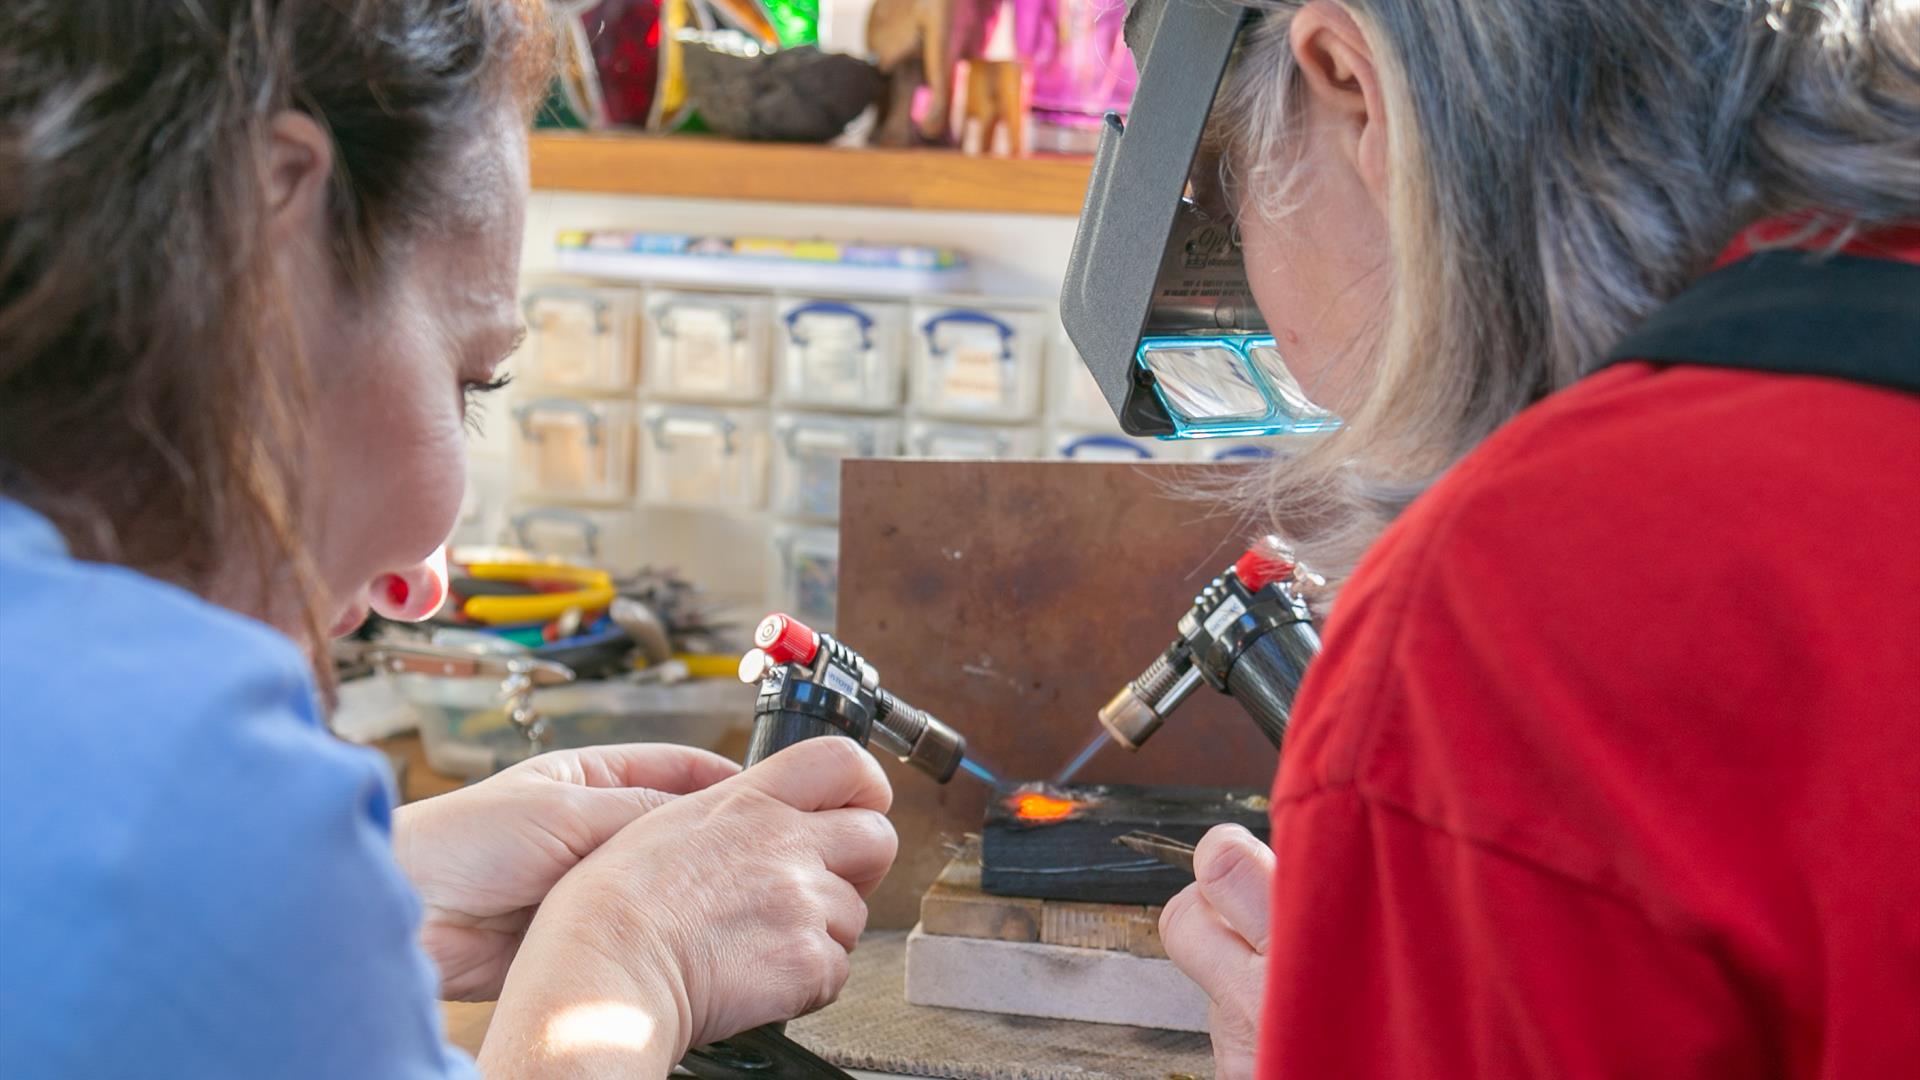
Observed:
{"x":813,"y":685}
{"x":1248,"y":635}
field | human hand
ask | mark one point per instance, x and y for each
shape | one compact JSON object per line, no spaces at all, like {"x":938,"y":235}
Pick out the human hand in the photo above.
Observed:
{"x":484,"y":857}
{"x":723,"y":910}
{"x":1215,"y":930}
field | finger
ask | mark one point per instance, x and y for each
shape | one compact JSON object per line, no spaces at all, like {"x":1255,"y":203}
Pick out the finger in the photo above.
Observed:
{"x":1202,"y":946}
{"x":601,"y":812}
{"x":1235,"y":873}
{"x":823,"y":774}
{"x":678,"y":770}
{"x":833,"y":968}
{"x":858,"y":846}
{"x":846,"y":913}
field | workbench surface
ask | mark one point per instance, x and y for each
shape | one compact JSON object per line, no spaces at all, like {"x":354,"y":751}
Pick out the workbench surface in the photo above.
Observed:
{"x":873,"y":1026}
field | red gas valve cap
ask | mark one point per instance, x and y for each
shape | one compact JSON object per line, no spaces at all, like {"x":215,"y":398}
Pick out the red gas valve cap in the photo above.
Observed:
{"x":1261,"y":566}
{"x":786,"y":640}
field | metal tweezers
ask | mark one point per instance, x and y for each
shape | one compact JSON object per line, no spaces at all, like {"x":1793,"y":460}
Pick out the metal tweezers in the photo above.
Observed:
{"x":1172,"y":852}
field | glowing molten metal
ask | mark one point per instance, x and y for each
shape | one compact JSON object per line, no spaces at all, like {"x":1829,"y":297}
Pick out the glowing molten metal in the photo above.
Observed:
{"x":1035,"y":806}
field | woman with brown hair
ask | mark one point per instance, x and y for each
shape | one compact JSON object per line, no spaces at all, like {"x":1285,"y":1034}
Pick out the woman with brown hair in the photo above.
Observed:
{"x":258,"y":260}
{"x":1608,"y":767}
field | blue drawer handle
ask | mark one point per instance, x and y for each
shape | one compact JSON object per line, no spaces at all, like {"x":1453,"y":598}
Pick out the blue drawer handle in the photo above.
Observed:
{"x":588,"y":528}
{"x":973,"y":318}
{"x":525,"y":413}
{"x":1244,"y":453}
{"x":829,"y":307}
{"x":1105,"y":442}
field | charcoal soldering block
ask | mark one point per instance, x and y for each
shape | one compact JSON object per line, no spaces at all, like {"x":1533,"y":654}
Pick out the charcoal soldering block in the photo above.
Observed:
{"x":1058,"y":843}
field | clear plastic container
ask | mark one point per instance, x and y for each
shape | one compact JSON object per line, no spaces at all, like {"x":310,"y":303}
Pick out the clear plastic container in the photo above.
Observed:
{"x":1112,"y":446}
{"x":705,"y":457}
{"x":976,"y":363}
{"x":574,"y":448}
{"x":932,"y":439}
{"x":840,"y":354}
{"x":465,"y":731}
{"x":707,"y":346}
{"x":807,"y":451}
{"x":1073,"y":398}
{"x":580,"y":338}
{"x":807,"y":560}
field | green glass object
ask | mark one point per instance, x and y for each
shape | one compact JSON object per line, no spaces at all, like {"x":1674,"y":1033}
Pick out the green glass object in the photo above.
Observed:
{"x":796,"y":21}
{"x":557,"y":111}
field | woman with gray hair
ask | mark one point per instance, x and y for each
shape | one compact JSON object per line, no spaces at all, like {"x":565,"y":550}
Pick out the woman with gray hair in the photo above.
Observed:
{"x":1608,"y":767}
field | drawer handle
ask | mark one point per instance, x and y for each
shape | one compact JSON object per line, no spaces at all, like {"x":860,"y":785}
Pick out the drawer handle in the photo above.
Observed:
{"x":829,"y":307}
{"x":524,"y":414}
{"x":588,"y":528}
{"x":1105,"y":442}
{"x":599,"y":304}
{"x":724,"y":425}
{"x":966,"y":316}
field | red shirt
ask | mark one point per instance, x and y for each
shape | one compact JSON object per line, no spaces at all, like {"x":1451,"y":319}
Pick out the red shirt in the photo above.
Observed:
{"x":1611,"y":765}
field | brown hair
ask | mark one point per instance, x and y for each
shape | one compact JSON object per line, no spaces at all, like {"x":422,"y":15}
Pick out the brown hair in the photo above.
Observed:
{"x":151,"y":394}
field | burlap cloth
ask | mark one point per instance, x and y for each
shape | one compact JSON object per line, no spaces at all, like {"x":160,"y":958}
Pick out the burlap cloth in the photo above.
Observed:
{"x":872,"y":1027}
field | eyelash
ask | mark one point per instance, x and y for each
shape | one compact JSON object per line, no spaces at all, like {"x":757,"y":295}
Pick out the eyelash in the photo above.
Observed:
{"x":473,"y":412}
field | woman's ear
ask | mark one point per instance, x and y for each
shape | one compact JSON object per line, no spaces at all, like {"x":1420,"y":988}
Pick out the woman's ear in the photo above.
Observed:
{"x":299,"y":166}
{"x":1343,"y":91}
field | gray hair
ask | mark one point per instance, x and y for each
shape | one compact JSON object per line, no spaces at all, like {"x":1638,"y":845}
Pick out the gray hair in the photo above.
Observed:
{"x":1560,"y":168}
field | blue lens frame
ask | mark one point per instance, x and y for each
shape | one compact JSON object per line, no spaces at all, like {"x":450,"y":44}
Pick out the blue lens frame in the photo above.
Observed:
{"x":1287,"y":411}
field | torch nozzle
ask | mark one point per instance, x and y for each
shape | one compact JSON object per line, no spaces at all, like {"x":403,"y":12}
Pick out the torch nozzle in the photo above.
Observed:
{"x":1138,"y":710}
{"x":917,"y":737}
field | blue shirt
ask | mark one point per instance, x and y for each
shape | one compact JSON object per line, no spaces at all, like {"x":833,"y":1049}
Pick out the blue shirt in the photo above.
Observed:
{"x":196,"y":879}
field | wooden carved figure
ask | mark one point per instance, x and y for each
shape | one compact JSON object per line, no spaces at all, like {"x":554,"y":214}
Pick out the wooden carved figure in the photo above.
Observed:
{"x":997,"y":96}
{"x":919,"y":43}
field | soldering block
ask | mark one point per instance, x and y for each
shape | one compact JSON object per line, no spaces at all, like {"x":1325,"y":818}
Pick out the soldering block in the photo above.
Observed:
{"x":1058,"y":843}
{"x":1058,"y":982}
{"x":955,"y":906}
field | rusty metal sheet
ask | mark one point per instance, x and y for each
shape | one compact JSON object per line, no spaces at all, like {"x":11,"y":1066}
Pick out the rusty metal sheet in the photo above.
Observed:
{"x":1012,"y":599}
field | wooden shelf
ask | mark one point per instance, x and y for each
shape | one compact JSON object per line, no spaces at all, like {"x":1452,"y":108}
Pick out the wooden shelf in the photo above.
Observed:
{"x":706,"y":168}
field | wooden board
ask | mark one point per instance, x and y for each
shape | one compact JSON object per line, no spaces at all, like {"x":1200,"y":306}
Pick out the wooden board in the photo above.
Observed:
{"x":695,"y":167}
{"x":1075,"y":857}
{"x":1022,"y":978}
{"x":1012,"y":599}
{"x":956,"y":906}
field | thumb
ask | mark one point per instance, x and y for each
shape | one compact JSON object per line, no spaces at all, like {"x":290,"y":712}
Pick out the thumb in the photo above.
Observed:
{"x":1235,"y":873}
{"x":827,"y":773}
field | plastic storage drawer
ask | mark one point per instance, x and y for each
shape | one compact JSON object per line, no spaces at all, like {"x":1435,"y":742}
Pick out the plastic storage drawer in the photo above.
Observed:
{"x":704,"y":457}
{"x":807,"y":451}
{"x":705,"y":346}
{"x":574,"y":448}
{"x":977,"y":363}
{"x":840,"y":354}
{"x":580,"y":338}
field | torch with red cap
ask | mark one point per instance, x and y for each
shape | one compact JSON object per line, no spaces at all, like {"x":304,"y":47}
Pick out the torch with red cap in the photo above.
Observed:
{"x":1248,"y":634}
{"x":813,"y":685}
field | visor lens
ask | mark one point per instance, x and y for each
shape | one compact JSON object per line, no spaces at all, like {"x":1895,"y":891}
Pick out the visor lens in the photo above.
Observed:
{"x":1215,"y":386}
{"x":1205,"y":383}
{"x":1281,"y":383}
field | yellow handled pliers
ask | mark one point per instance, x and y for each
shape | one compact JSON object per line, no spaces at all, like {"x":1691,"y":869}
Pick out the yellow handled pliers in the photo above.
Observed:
{"x":595,"y":591}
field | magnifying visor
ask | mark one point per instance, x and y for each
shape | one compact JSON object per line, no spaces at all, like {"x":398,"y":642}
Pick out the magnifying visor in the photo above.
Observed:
{"x":1156,"y":297}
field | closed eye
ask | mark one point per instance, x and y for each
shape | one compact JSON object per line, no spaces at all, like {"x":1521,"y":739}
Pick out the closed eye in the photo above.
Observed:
{"x":473,"y":408}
